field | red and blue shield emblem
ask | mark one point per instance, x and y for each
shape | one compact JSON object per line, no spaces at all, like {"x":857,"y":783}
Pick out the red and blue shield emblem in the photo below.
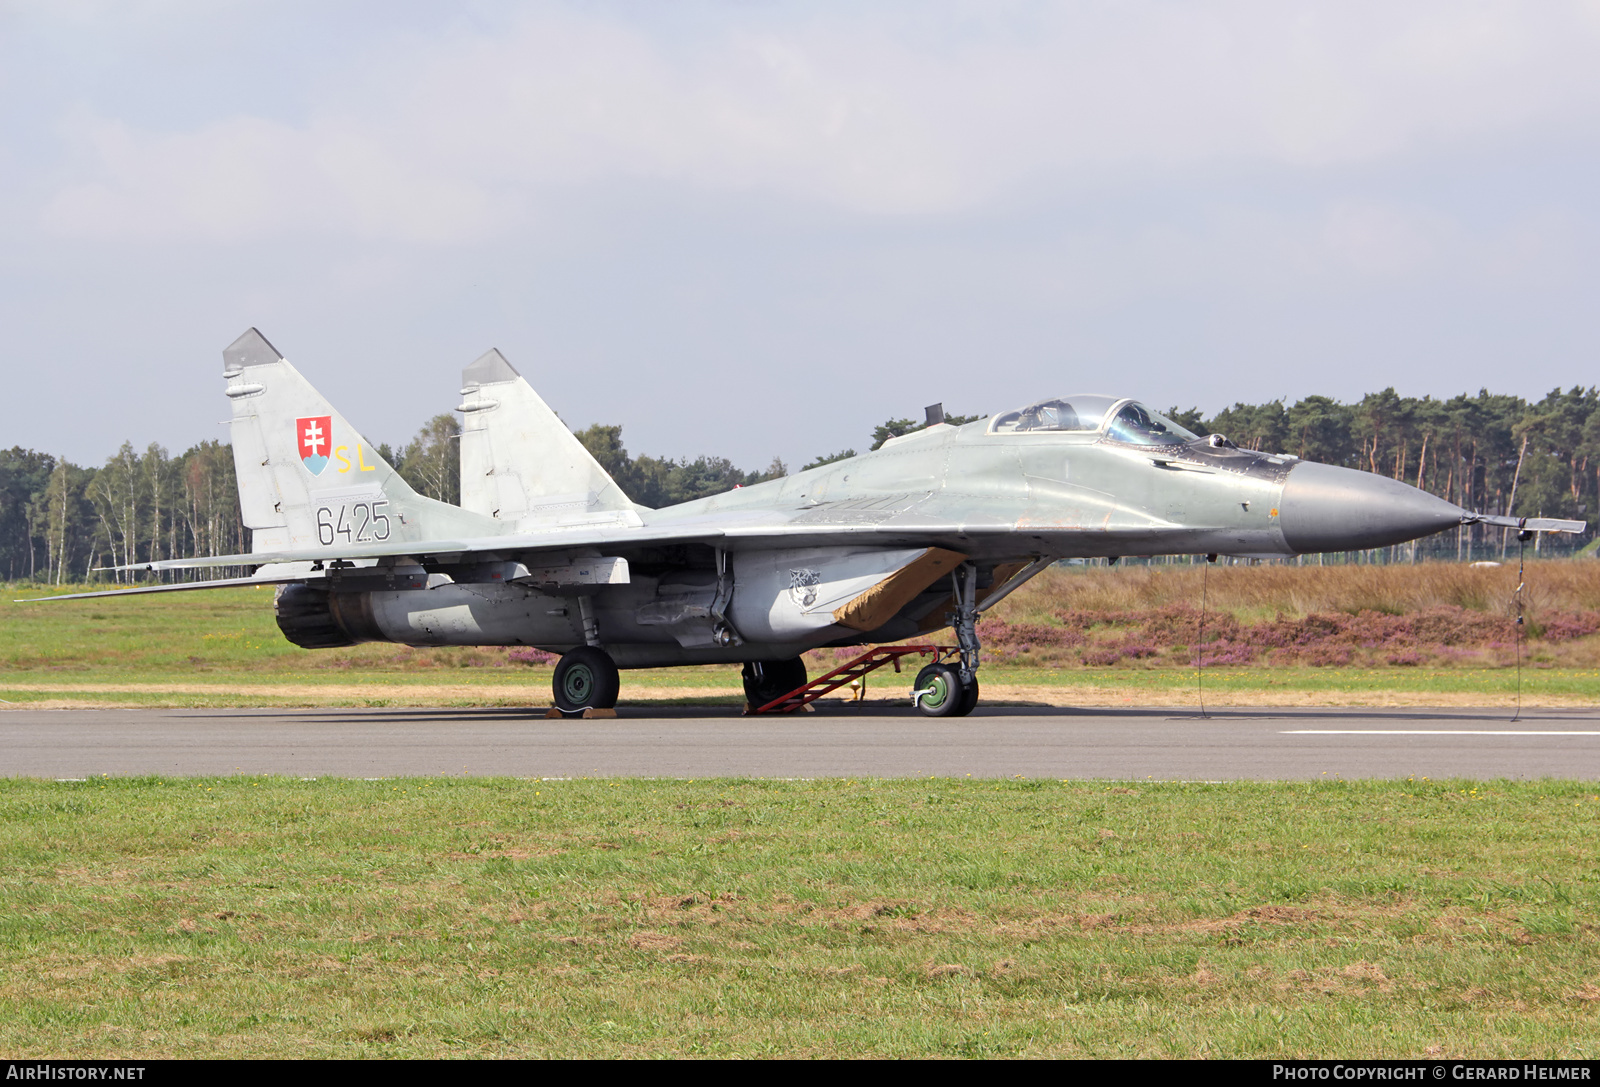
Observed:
{"x":315,"y":436}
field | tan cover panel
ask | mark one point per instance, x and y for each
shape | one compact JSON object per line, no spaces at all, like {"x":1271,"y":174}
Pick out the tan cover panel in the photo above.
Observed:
{"x":883,"y":601}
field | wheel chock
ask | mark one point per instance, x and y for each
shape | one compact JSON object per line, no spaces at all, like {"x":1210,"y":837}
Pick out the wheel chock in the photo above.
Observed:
{"x":591,"y":714}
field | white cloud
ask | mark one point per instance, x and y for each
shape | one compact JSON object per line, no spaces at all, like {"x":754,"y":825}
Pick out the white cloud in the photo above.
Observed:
{"x":451,"y":136}
{"x":245,"y":178}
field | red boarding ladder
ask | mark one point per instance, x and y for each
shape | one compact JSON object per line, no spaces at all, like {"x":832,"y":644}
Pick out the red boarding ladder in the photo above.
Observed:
{"x":870,"y":661}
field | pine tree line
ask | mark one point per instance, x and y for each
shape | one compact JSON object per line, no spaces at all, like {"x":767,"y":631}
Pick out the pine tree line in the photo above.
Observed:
{"x":1491,"y":453}
{"x":431,"y":464}
{"x":61,"y":523}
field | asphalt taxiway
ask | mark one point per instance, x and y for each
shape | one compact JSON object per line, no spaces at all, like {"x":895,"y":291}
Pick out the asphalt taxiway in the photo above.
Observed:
{"x":1123,"y":744}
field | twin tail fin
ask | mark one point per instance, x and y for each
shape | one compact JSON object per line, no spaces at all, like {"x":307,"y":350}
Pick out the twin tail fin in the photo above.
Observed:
{"x":309,"y":479}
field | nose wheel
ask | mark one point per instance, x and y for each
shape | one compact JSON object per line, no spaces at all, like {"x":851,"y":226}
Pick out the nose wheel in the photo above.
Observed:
{"x":940,"y":692}
{"x":586,"y":679}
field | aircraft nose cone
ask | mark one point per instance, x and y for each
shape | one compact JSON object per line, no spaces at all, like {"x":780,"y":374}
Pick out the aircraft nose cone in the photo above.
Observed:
{"x":1325,"y":508}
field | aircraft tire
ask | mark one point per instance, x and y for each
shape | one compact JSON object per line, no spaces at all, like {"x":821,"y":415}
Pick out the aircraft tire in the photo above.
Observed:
{"x":768,"y":680}
{"x":948,"y":697}
{"x":969,"y":699}
{"x":586,"y":679}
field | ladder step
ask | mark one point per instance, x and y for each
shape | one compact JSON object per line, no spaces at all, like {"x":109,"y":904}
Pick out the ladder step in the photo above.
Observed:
{"x":866,"y":663}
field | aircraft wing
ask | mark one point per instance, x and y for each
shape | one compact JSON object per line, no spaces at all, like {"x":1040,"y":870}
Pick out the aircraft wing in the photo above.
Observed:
{"x":957,"y":527}
{"x":931,"y":522}
{"x":544,"y":541}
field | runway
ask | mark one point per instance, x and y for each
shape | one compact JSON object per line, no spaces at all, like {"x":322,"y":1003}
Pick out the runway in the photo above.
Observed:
{"x":842,"y":741}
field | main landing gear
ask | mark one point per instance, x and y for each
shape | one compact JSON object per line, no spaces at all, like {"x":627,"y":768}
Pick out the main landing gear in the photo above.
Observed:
{"x":766,"y":681}
{"x":586,"y":679}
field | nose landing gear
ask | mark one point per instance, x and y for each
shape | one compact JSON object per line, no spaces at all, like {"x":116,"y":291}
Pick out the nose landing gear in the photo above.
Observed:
{"x":940,"y":692}
{"x":951,"y":690}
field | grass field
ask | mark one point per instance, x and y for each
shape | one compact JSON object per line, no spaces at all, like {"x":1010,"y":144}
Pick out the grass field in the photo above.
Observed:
{"x":223,"y":648}
{"x":240,"y":917}
{"x":268,"y":917}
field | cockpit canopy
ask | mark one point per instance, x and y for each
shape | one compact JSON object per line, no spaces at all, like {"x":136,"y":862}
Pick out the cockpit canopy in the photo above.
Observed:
{"x":1120,"y":420}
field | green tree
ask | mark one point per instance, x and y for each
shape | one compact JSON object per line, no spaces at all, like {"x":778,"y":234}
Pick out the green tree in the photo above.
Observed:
{"x":431,"y":463}
{"x":604,"y":444}
{"x":211,"y":502}
{"x":1318,"y":428}
{"x":23,"y":474}
{"x":67,"y":517}
{"x":899,"y":428}
{"x":843,"y":454}
{"x":118,"y":495}
{"x":1253,"y":426}
{"x":1188,"y":418}
{"x":662,"y":481}
{"x":1381,"y":422}
{"x":1555,"y":473}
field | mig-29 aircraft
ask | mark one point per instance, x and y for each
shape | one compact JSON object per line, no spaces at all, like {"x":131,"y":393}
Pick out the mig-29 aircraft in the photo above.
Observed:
{"x":926,"y":532}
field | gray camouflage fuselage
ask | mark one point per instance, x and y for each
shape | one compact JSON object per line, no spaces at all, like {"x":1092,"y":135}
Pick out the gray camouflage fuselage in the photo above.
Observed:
{"x":1000,"y":500}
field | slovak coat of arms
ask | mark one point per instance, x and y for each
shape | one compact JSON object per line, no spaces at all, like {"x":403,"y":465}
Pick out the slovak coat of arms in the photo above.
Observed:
{"x":315,"y":436}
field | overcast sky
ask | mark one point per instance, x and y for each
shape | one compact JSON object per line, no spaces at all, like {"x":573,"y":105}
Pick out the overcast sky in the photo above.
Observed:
{"x":759,"y":228}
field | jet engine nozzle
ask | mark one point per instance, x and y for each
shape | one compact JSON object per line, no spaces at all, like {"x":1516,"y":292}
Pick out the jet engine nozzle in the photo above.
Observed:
{"x":1325,"y":508}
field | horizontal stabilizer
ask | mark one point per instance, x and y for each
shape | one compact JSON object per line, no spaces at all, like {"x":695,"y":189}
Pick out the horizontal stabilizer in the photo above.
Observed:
{"x":188,"y":586}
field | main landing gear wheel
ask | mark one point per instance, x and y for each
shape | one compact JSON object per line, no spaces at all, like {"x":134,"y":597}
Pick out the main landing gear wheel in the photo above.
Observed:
{"x":947,"y":696}
{"x":766,"y":681}
{"x":586,"y":679}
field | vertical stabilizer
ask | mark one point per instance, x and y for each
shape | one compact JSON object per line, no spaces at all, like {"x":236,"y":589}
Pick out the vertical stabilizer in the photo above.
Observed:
{"x":519,"y":462}
{"x":307,"y":478}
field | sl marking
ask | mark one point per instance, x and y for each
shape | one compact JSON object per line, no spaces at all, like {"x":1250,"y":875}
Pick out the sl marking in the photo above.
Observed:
{"x":342,"y":455}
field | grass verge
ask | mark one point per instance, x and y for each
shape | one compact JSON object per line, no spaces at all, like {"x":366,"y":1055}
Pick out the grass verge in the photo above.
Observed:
{"x":251,"y":917}
{"x":719,"y":688}
{"x":223,"y":649}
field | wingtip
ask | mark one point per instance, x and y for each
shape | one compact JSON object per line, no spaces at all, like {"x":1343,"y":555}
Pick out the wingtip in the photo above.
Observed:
{"x":488,"y":368}
{"x":250,"y":349}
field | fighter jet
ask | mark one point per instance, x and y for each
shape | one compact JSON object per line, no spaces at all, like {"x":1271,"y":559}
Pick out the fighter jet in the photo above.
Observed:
{"x":924,"y":533}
